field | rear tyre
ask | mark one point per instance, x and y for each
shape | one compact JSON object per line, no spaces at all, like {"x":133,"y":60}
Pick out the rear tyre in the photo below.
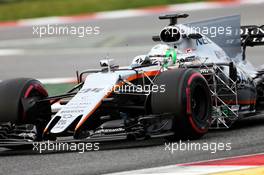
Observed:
{"x":187,"y":97}
{"x":18,"y":103}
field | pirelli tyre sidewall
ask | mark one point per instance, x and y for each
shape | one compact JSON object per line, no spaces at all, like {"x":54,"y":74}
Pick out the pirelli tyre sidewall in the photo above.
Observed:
{"x":12,"y":92}
{"x":187,"y":97}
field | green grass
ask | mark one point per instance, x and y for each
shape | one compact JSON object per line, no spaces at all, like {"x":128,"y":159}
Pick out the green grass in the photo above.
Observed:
{"x":20,"y":9}
{"x":57,"y":89}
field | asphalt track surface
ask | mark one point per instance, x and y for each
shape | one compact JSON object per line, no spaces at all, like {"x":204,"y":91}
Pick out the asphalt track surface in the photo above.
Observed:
{"x":121,"y":39}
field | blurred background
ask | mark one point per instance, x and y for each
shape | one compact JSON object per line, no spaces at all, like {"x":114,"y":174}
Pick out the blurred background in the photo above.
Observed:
{"x":18,"y":9}
{"x":124,"y":34}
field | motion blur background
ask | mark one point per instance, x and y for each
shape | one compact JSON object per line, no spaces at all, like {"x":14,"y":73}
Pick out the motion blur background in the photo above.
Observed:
{"x":17,"y":9}
{"x":122,"y":37}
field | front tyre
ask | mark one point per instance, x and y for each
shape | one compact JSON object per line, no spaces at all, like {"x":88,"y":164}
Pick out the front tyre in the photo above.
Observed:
{"x":19,"y":103}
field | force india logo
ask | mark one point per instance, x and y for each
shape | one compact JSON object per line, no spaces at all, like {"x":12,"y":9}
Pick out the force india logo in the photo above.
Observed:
{"x":253,"y":30}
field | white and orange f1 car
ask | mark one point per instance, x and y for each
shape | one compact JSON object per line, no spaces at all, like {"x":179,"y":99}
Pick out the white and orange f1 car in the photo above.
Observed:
{"x":197,"y":77}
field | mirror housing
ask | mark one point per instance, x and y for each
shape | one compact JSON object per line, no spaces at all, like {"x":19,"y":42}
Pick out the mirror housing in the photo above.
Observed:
{"x":195,"y":36}
{"x":107,"y":63}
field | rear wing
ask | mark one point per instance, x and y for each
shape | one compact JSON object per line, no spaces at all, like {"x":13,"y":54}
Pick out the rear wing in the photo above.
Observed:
{"x":252,"y":35}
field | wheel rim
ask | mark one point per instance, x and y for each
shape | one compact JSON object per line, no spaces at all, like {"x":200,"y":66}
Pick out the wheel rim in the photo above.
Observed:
{"x":199,"y":105}
{"x":35,"y":91}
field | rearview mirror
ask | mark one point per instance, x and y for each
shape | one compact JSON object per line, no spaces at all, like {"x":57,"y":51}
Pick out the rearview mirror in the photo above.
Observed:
{"x":107,"y":63}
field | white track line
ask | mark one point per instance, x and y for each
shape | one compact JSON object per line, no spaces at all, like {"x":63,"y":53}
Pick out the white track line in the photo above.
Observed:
{"x":188,"y":169}
{"x":219,"y":159}
{"x":183,"y":170}
{"x":56,"y":80}
{"x":8,"y":52}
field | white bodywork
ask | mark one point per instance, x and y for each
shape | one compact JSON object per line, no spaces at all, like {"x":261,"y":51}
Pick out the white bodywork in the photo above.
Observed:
{"x":98,"y":85}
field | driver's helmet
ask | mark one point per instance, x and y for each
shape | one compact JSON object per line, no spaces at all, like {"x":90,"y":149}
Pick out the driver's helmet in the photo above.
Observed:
{"x":159,"y":54}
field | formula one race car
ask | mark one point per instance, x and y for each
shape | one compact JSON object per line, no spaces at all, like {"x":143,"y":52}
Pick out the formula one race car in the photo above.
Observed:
{"x":195,"y":79}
